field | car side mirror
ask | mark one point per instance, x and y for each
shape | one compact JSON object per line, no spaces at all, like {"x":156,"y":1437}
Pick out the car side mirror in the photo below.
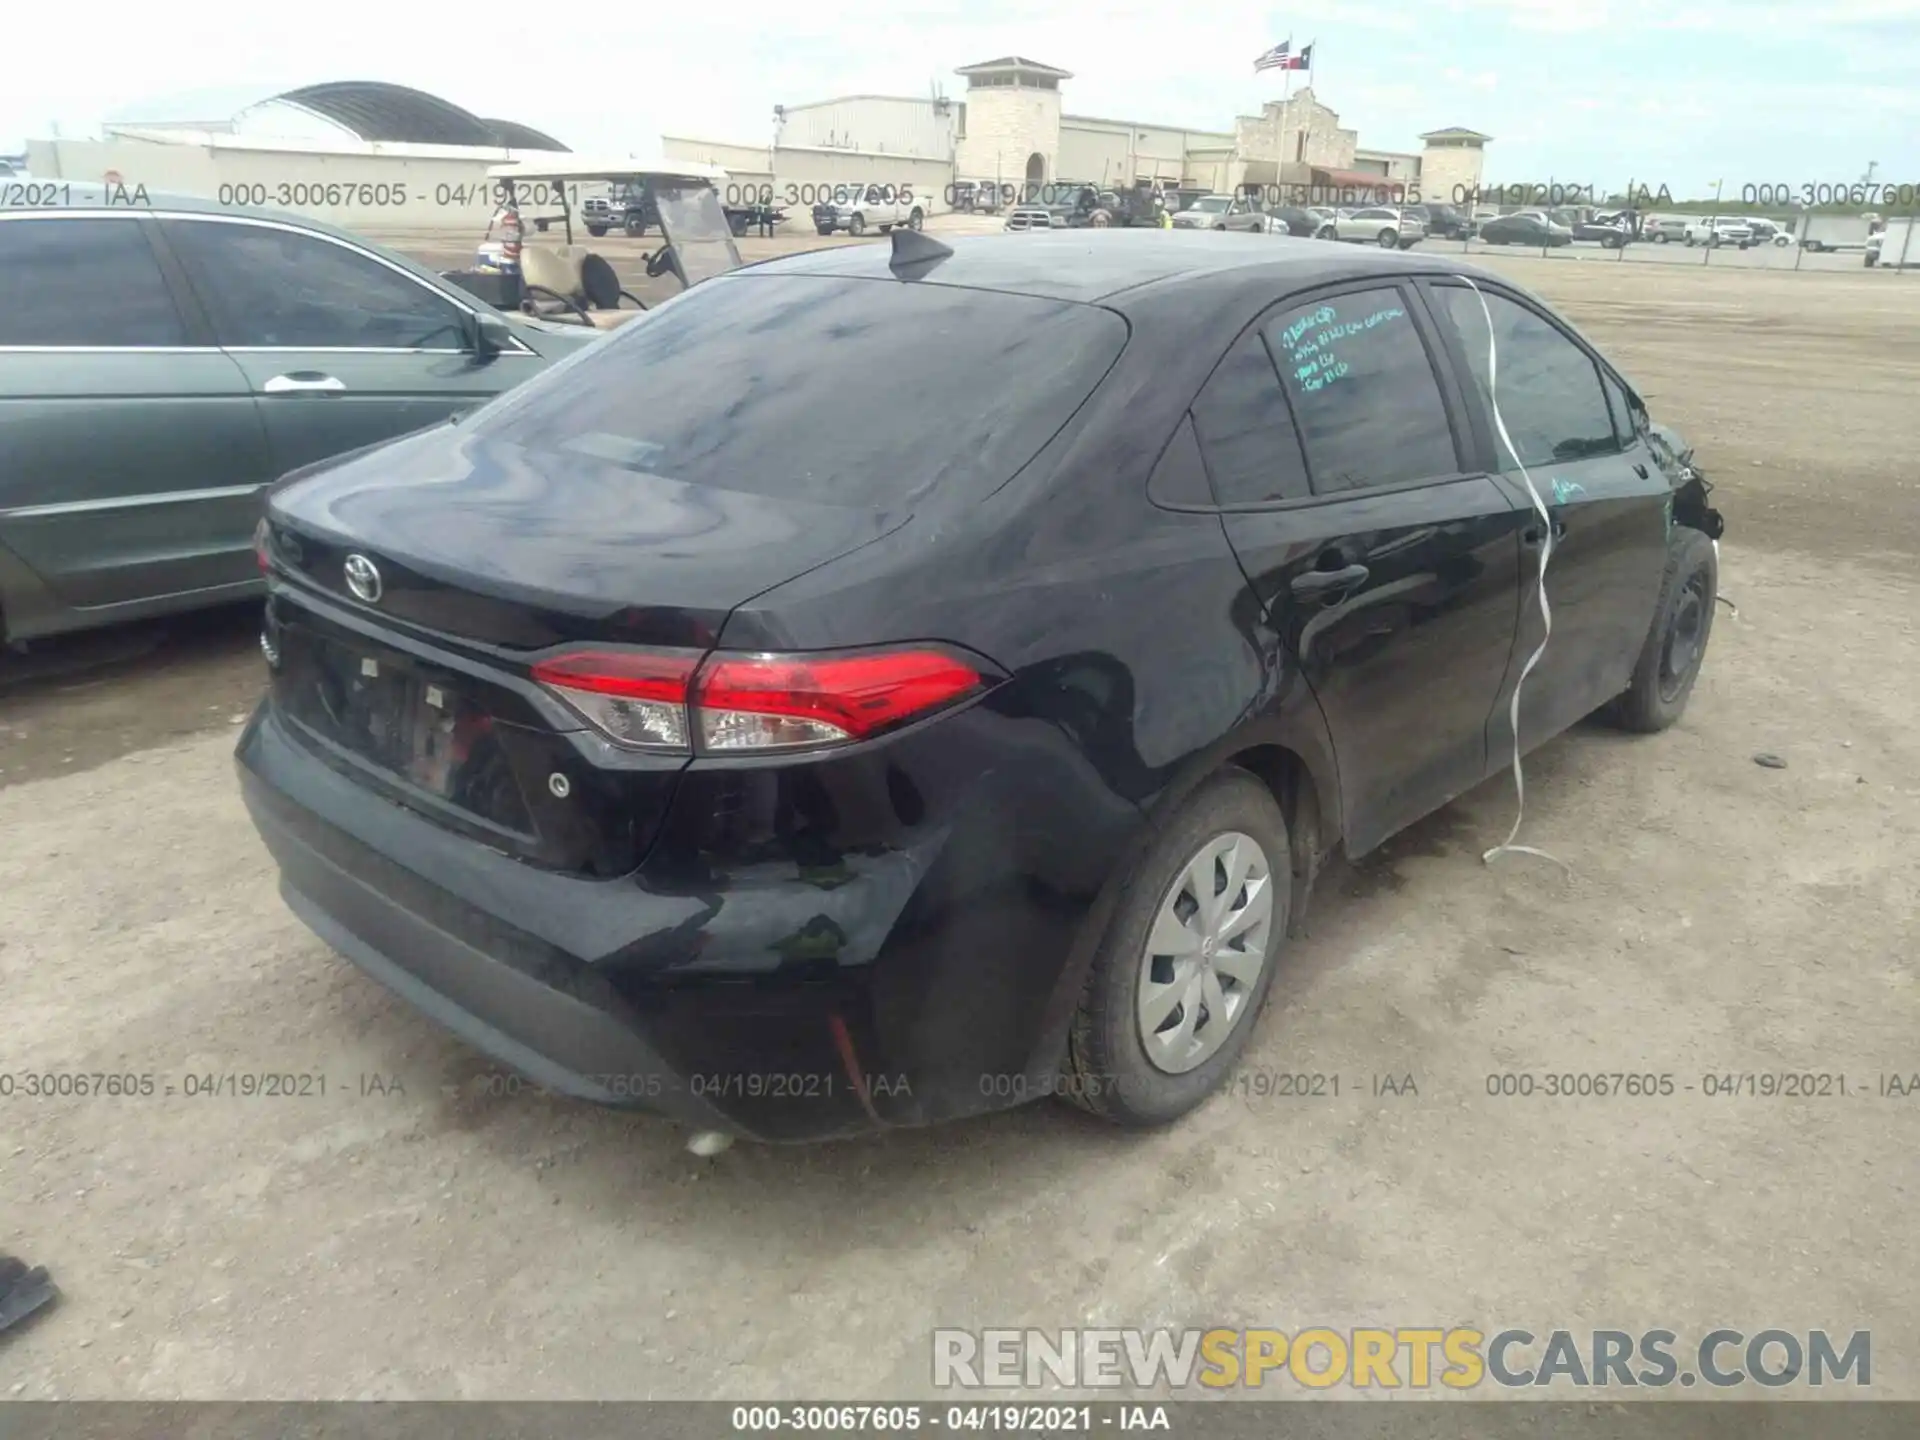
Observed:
{"x":491,"y":334}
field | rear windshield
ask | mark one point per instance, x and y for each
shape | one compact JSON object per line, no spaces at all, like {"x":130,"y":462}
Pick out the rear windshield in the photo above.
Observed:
{"x":851,"y":392}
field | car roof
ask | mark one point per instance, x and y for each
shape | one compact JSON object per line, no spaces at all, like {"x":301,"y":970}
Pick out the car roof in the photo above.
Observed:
{"x":1095,"y":265}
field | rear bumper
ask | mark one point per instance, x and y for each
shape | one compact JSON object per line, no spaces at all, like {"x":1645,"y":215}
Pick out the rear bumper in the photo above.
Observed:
{"x":828,"y":989}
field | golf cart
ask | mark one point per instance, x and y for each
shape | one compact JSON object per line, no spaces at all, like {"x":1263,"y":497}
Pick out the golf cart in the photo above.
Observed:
{"x":568,"y":282}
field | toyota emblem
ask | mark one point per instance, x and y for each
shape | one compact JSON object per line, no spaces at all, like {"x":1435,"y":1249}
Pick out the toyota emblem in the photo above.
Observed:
{"x":363,"y":578}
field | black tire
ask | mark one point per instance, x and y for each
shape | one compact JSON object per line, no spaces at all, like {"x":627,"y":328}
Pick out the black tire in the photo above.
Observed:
{"x":916,"y":219}
{"x":596,"y":231}
{"x":1388,"y":239}
{"x":824,"y":229}
{"x":1663,"y":676}
{"x":1662,"y":238}
{"x":1326,"y":232}
{"x":1108,"y":1070}
{"x":857,"y":225}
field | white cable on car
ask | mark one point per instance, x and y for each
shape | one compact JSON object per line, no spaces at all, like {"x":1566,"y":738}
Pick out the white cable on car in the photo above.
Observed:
{"x":1546,"y":613}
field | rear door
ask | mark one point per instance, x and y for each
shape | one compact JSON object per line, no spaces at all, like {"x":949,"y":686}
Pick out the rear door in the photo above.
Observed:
{"x":130,"y":454}
{"x":1389,"y":565}
{"x":340,"y":347}
{"x":1569,"y":419}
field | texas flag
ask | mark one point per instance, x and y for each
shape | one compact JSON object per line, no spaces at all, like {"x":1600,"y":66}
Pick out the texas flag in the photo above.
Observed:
{"x":1281,"y":57}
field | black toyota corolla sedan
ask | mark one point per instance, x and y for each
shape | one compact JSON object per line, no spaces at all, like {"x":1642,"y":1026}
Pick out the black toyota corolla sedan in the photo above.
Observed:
{"x":891,"y":683}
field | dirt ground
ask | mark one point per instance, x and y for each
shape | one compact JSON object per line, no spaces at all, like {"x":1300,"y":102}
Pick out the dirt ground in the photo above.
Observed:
{"x":413,"y":1234}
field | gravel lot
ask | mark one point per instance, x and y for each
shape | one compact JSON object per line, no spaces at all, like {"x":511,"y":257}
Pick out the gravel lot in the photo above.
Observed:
{"x":413,"y":1233}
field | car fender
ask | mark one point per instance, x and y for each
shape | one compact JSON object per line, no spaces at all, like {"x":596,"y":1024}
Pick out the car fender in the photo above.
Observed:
{"x":1291,"y":724}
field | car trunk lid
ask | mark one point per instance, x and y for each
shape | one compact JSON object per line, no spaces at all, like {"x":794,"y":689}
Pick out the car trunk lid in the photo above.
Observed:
{"x":474,"y":558}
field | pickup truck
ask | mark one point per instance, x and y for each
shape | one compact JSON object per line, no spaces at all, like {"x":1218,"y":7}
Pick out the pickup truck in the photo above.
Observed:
{"x":620,"y":209}
{"x":878,"y":207}
{"x":1029,"y":217}
{"x":1226,"y":212}
{"x":1719,"y":230}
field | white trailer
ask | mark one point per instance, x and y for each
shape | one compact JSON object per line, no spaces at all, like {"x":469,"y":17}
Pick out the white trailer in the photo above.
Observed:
{"x":1835,"y":232}
{"x":1896,"y":247}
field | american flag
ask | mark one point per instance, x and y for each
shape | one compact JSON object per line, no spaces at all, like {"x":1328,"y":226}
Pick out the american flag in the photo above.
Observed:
{"x":1281,"y":57}
{"x":1276,"y":58}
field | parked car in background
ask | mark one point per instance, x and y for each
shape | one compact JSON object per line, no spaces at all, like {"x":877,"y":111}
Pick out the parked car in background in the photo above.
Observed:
{"x":978,"y":196}
{"x":1209,"y":212}
{"x":1611,"y":230}
{"x":1443,"y":222}
{"x":1769,"y":232}
{"x":1528,"y":227}
{"x":628,"y":208}
{"x":654,"y":734}
{"x":878,"y":207}
{"x":1298,"y":220}
{"x":1252,"y":214}
{"x":161,"y":364}
{"x":1663,"y":229}
{"x":1377,"y":225}
{"x":1028,"y":217}
{"x":1716,"y":230}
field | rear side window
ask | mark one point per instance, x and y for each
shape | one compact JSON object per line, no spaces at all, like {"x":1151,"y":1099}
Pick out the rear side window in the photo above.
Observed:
{"x":1245,"y":432}
{"x":1549,"y":388}
{"x":847,"y":392}
{"x":83,"y":283}
{"x":1363,"y":391}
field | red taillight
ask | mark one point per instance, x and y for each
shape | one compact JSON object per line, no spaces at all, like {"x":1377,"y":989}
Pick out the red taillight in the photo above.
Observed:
{"x":738,"y":704}
{"x":765,"y":702}
{"x":262,"y":545}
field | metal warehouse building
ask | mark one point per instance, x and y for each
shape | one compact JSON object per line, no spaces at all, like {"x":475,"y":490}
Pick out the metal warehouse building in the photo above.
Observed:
{"x":364,"y":154}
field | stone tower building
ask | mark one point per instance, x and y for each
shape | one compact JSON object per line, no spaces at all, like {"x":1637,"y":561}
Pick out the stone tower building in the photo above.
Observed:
{"x":1010,"y":124}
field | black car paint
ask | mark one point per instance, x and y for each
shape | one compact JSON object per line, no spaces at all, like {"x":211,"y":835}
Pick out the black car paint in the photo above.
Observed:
{"x":899,"y":932}
{"x":1522,"y":230}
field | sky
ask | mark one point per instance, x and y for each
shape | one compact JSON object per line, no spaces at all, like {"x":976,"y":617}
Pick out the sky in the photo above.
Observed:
{"x":1676,"y":92}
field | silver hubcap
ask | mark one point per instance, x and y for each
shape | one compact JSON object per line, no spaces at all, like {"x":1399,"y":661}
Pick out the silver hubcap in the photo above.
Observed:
{"x":1205,"y":952}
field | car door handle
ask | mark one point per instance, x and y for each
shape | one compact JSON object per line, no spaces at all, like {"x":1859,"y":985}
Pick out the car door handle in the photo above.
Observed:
{"x":1319,"y":582}
{"x":1531,"y":535}
{"x":1639,"y":469}
{"x":304,"y":382}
